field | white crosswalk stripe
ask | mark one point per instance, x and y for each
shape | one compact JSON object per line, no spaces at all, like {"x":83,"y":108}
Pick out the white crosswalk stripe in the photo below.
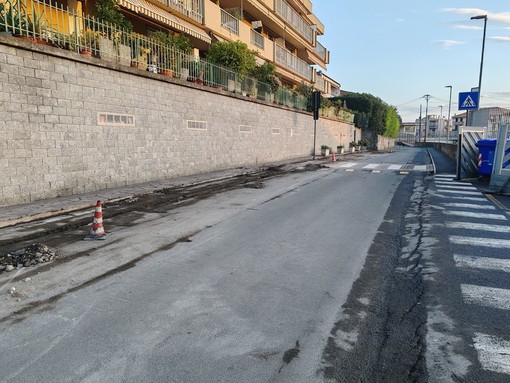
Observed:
{"x":469,"y":214}
{"x":469,"y":206}
{"x":486,"y":296}
{"x":493,"y":353}
{"x":478,"y":227}
{"x":404,"y":168}
{"x":482,"y":263}
{"x":483,"y":242}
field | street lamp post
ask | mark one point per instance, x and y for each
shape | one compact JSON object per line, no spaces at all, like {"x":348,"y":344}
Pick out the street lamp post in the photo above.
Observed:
{"x":484,"y":17}
{"x":449,"y":110}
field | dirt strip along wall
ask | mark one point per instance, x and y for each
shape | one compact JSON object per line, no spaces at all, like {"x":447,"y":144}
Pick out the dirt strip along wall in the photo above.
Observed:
{"x":72,"y":124}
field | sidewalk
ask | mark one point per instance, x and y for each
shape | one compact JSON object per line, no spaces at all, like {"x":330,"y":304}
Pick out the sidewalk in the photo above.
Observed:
{"x":31,"y":211}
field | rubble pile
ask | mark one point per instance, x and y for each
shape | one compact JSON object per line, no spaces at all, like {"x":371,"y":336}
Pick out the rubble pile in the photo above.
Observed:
{"x":27,"y":256}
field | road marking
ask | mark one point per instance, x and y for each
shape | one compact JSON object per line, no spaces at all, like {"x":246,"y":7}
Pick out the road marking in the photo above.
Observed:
{"x":420,"y":167}
{"x":456,"y":187}
{"x":452,"y":182}
{"x":376,"y":171}
{"x":478,"y":227}
{"x":496,"y":202}
{"x":493,"y":353}
{"x":349,"y":170}
{"x":370,"y":166}
{"x":348,"y":165}
{"x":469,"y":206}
{"x":462,"y":198}
{"x":470,"y":214}
{"x":477,"y":241}
{"x":404,"y":173}
{"x":451,"y":176}
{"x":458,"y":192}
{"x":486,"y":296}
{"x":483,"y":263}
{"x":394,"y":167}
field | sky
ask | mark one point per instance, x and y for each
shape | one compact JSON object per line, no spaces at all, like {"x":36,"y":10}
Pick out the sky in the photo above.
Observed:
{"x":402,"y":50}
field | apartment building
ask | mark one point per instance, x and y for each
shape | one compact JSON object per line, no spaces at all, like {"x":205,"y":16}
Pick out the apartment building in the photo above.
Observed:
{"x":282,"y":32}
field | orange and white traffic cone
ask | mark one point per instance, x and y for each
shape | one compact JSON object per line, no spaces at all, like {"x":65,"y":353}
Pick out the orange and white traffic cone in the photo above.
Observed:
{"x":333,"y":156}
{"x":97,"y":230}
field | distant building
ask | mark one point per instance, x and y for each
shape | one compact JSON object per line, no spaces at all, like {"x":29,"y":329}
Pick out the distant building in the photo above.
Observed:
{"x":432,"y":126}
{"x":458,"y":121}
{"x":491,"y":118}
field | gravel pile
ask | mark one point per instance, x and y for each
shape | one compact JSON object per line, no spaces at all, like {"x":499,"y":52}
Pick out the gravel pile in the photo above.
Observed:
{"x":27,"y":256}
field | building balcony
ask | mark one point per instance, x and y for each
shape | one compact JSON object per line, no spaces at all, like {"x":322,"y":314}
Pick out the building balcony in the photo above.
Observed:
{"x":294,"y":19}
{"x":192,"y":9}
{"x":288,"y":61}
{"x":229,"y":22}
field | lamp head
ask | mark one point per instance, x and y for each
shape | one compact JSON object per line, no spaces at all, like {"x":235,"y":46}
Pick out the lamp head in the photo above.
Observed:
{"x":479,"y":17}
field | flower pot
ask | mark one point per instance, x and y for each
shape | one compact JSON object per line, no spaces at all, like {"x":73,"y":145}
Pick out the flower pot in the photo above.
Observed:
{"x":86,"y":52}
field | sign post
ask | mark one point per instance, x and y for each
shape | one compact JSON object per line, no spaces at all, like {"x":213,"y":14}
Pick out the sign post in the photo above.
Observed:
{"x":316,"y":101}
{"x":467,"y":101}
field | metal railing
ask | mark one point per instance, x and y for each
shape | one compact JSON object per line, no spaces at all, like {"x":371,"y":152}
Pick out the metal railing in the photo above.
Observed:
{"x":295,"y":19}
{"x":66,"y":29}
{"x":321,"y":51}
{"x":194,"y":9}
{"x":286,"y":59}
{"x":229,"y":22}
{"x":257,"y":39}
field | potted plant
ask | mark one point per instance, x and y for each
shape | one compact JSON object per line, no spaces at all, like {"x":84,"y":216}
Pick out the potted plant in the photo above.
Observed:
{"x":340,"y":149}
{"x":324,"y":150}
{"x":352,"y":146}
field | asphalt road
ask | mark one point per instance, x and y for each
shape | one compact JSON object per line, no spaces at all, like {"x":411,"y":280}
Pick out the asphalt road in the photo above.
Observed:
{"x":369,"y":270}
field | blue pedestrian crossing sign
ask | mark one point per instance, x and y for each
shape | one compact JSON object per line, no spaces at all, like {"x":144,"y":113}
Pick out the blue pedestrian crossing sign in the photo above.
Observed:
{"x":468,"y":100}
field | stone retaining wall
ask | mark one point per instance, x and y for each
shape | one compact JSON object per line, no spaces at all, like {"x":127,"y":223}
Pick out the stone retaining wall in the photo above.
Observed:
{"x":72,"y":124}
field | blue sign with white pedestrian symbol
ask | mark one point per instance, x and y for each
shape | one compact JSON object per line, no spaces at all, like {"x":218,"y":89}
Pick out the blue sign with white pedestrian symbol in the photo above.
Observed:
{"x":468,"y":100}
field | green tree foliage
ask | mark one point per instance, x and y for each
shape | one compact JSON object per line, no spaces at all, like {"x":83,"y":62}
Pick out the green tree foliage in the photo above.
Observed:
{"x":266,"y":73}
{"x":109,"y":11}
{"x":392,"y":123}
{"x":372,"y":113}
{"x":233,"y":55}
{"x":169,"y":40}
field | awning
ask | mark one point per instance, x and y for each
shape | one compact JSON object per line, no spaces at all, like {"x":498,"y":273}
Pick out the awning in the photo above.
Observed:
{"x":159,"y":14}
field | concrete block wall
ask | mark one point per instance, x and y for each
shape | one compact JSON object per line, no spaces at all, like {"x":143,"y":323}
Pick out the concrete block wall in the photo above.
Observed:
{"x":56,"y":139}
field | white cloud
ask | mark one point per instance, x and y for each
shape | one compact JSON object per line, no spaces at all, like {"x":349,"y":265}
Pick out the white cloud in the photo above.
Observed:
{"x":501,"y":39}
{"x":502,"y":17}
{"x":466,"y":11}
{"x":470,"y":27}
{"x":447,"y":44}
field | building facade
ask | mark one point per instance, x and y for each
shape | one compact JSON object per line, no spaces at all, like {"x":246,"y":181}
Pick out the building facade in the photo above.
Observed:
{"x":284,"y":33}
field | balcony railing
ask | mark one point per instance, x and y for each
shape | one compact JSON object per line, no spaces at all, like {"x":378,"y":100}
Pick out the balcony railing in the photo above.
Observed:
{"x":321,"y":51}
{"x":257,"y":39}
{"x":320,"y":84}
{"x":295,"y":19}
{"x":286,"y":59}
{"x":194,"y":9}
{"x":229,"y":22}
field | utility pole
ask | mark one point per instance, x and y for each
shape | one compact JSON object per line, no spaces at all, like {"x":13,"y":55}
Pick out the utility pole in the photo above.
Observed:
{"x":449,"y":109}
{"x":440,"y":122}
{"x":419,"y":129}
{"x":427,"y":98}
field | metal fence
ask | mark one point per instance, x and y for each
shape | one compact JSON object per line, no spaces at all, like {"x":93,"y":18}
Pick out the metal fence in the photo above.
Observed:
{"x":46,"y":23}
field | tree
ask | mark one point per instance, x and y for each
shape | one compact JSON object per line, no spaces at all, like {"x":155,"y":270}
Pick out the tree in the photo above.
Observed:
{"x":233,"y":55}
{"x":372,"y":113}
{"x":109,"y":11}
